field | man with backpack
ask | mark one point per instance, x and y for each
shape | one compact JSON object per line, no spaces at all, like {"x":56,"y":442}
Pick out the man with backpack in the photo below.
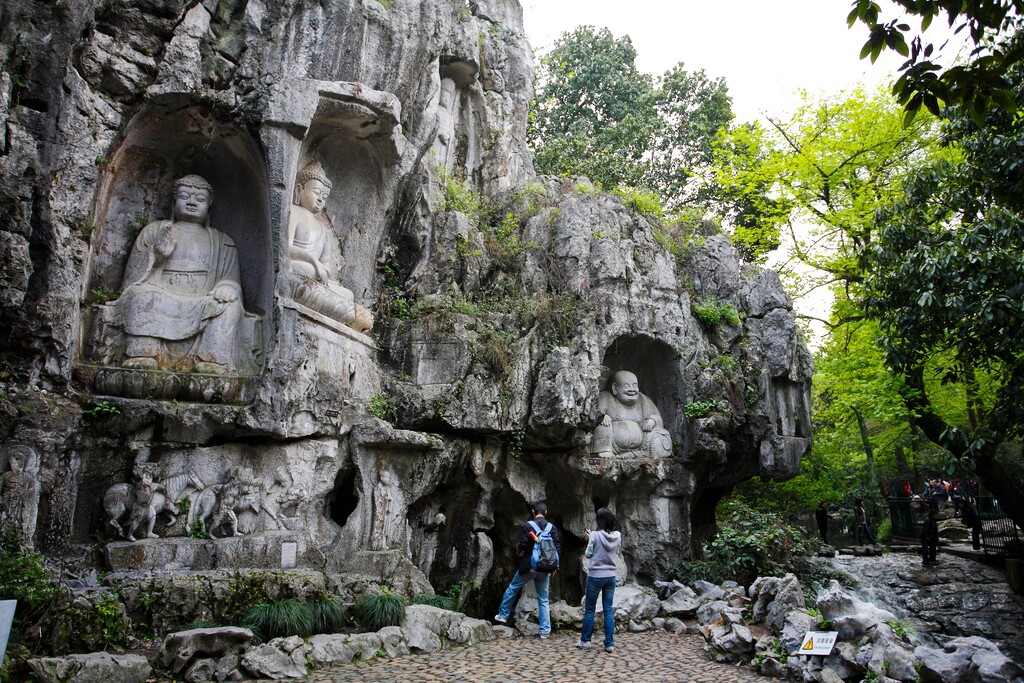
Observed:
{"x":538,"y":549}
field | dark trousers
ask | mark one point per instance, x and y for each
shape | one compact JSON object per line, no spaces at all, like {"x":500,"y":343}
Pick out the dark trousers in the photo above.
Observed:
{"x":929,"y":551}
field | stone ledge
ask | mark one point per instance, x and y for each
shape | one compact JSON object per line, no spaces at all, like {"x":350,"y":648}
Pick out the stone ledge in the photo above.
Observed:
{"x":269,"y":550}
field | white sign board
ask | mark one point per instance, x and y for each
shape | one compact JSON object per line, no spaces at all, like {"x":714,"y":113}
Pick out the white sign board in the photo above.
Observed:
{"x":288,"y":555}
{"x":817,"y":643}
{"x":6,"y":619}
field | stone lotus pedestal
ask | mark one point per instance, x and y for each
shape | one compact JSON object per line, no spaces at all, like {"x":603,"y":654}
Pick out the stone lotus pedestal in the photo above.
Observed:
{"x":157,"y":385}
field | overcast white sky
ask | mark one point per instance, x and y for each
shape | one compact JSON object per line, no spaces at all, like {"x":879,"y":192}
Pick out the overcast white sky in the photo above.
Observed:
{"x":764,"y":54}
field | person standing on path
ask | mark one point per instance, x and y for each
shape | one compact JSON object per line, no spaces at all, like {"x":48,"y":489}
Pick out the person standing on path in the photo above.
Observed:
{"x":861,"y":517}
{"x":970,"y":518}
{"x":602,"y":548}
{"x":821,"y":516}
{"x":524,"y":573}
{"x":930,"y":538}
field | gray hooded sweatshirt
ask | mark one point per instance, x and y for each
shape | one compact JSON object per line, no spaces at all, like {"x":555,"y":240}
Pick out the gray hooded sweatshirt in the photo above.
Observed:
{"x":602,"y":549}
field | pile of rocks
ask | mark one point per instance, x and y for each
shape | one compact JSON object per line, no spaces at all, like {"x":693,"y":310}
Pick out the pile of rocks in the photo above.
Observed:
{"x":227,"y":653}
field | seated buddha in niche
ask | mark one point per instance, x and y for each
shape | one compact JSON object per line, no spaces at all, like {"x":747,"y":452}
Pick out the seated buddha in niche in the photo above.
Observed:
{"x":630,"y":422}
{"x":310,"y":248}
{"x":181,"y":308}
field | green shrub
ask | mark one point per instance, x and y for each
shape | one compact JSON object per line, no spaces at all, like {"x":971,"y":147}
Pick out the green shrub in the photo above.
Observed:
{"x":696,"y":409}
{"x":442,"y":601}
{"x":459,"y":197}
{"x":380,"y":609}
{"x":749,"y":544}
{"x":280,"y":619}
{"x":24,"y":578}
{"x":713,"y":313}
{"x":885,"y":531}
{"x":645,"y":203}
{"x":382,"y":407}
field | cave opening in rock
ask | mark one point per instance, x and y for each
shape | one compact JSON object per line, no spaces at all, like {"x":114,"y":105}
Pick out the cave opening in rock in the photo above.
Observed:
{"x":343,"y":499}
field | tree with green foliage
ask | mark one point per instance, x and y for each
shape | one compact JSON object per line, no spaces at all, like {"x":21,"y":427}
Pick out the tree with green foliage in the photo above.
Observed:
{"x":597,"y":115}
{"x":946,"y":282}
{"x":858,"y":406}
{"x":820,"y":177}
{"x":977,"y":84}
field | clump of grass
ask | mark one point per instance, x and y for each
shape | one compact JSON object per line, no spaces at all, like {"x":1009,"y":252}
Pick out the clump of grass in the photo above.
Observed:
{"x":280,"y":619}
{"x":381,"y":609}
{"x":443,"y":601}
{"x":328,"y":615}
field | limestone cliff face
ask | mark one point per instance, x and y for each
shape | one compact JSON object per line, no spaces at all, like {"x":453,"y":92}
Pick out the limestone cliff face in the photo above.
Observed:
{"x":503,"y":302}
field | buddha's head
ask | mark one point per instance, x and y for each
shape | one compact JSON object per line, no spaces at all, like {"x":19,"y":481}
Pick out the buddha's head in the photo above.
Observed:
{"x":312,"y":187}
{"x":192,"y":199}
{"x":625,"y":387}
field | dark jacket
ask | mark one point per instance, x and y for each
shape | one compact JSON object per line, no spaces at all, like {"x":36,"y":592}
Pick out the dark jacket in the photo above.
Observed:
{"x":525,"y":545}
{"x":930,"y":531}
{"x":969,"y":516}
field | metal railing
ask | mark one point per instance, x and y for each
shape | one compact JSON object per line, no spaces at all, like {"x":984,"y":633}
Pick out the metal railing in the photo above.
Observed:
{"x":999,"y":535}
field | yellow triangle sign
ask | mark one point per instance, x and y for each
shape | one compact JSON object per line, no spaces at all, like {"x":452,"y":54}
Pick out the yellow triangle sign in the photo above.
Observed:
{"x":809,"y":645}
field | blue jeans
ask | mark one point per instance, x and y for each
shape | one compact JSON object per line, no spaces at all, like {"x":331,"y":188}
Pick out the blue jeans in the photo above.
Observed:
{"x":606,"y":587}
{"x":540,"y":582}
{"x":864,"y":533}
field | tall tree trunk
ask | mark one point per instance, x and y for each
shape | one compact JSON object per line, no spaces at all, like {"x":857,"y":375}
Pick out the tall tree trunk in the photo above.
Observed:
{"x":869,"y":451}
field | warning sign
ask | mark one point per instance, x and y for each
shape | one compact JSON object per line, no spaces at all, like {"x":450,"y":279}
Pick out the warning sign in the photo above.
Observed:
{"x":817,"y":643}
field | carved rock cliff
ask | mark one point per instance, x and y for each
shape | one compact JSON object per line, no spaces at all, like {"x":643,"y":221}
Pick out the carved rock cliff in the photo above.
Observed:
{"x":502,"y":302}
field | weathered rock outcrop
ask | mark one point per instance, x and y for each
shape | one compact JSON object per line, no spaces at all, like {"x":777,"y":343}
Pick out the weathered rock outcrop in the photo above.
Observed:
{"x":502,"y":302}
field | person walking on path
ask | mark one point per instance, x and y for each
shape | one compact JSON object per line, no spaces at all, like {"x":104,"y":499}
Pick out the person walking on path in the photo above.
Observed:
{"x":602,"y":547}
{"x":971,"y":519}
{"x":524,"y":573}
{"x":930,"y":538}
{"x":821,"y":515}
{"x":861,"y":517}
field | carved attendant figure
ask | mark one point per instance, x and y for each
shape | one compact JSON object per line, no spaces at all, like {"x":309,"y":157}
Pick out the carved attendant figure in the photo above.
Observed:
{"x":630,"y":422}
{"x":310,"y":242}
{"x":181,"y":302}
{"x":18,"y":493}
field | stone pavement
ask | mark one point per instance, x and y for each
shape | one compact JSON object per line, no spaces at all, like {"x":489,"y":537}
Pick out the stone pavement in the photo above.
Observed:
{"x":652,"y":657}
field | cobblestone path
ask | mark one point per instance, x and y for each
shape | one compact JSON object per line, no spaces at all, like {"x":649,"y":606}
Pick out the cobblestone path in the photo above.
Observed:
{"x":652,"y":657}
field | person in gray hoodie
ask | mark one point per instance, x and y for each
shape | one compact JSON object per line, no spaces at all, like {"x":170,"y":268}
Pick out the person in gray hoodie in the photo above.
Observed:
{"x":602,"y":548}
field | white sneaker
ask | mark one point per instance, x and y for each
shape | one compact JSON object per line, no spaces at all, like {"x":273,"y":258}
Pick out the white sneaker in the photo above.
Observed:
{"x":545,"y":636}
{"x":609,"y":649}
{"x":583,"y":644}
{"x":500,"y":619}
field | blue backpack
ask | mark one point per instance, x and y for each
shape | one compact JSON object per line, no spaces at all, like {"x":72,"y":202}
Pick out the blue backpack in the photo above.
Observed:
{"x":545,"y":555}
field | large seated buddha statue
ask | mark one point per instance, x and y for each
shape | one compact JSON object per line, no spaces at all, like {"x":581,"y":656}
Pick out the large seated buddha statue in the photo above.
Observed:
{"x":630,"y":422}
{"x":180,"y":308}
{"x":311,"y":250}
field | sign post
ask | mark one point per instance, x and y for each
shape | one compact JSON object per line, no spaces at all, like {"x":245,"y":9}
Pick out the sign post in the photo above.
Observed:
{"x":817,"y":643}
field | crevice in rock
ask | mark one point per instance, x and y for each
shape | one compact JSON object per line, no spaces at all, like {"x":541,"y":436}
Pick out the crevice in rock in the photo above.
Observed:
{"x":343,"y":500}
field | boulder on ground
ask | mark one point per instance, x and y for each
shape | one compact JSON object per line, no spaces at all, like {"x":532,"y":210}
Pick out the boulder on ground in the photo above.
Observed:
{"x":96,"y":667}
{"x":329,"y":649}
{"x":182,"y":648}
{"x":964,"y":660}
{"x":270,"y":661}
